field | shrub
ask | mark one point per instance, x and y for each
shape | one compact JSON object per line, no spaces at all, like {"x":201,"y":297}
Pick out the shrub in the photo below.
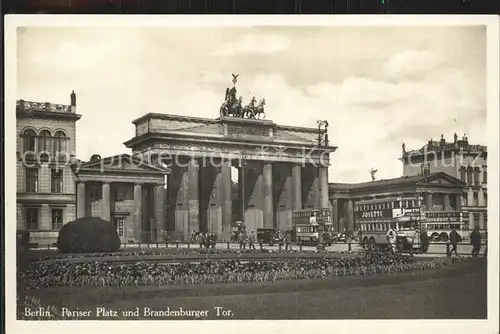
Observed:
{"x":96,"y":273}
{"x":88,"y":235}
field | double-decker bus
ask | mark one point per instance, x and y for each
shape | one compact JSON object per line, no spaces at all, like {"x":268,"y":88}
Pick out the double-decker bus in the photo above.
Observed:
{"x":308,"y":223}
{"x":439,"y":224}
{"x":375,"y":217}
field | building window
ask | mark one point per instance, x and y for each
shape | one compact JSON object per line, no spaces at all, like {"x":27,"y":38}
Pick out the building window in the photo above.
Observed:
{"x":476,"y":220}
{"x":485,"y":176}
{"x":32,"y":218}
{"x":462,"y":174}
{"x":475,"y":197}
{"x":57,"y":219}
{"x":29,"y":137}
{"x":31,"y":180}
{"x":60,"y":142}
{"x":485,"y":195}
{"x":469,"y":176}
{"x":119,"y":225}
{"x":45,"y":142}
{"x":476,"y":176}
{"x":56,"y":181}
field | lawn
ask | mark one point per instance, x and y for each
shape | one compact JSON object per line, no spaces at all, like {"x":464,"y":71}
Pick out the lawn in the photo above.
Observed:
{"x":457,"y":292}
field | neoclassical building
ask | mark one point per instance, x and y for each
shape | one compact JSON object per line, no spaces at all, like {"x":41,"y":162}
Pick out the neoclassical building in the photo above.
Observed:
{"x":441,"y":196}
{"x":177,"y":180}
{"x":461,"y":160}
{"x":45,"y":146}
{"x":457,"y":186}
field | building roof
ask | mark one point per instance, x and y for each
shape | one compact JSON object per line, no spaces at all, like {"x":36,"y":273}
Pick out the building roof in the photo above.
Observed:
{"x":443,"y":145}
{"x":398,"y":181}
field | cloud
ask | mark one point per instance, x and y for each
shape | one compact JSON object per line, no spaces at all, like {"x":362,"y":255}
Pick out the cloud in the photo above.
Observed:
{"x":408,"y":95}
{"x":254,"y":44}
{"x":410,"y":63}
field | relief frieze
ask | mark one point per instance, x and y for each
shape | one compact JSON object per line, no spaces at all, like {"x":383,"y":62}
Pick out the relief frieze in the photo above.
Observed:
{"x":235,"y":131}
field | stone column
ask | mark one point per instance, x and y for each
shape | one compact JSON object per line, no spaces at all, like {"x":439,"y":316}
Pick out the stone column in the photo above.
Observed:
{"x":81,"y":203}
{"x":350,"y":216}
{"x":323,"y":185}
{"x":106,"y":202}
{"x":446,"y":202}
{"x":430,"y":204}
{"x":193,"y":196}
{"x":482,"y":225}
{"x":335,"y":213}
{"x":138,"y":212}
{"x":470,"y":197}
{"x":160,"y":197}
{"x":297,"y":187}
{"x":227,"y":201}
{"x":268,"y":206}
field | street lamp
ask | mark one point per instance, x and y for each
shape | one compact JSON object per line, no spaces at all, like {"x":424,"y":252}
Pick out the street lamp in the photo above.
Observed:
{"x":322,"y":142}
{"x":242,"y":166}
{"x":424,"y":172}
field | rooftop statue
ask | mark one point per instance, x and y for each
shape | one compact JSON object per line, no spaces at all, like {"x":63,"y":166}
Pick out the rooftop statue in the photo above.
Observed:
{"x":73,"y":98}
{"x":233,"y":107}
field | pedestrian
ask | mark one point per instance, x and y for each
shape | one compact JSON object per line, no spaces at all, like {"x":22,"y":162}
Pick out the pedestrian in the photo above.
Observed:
{"x":251,"y":241}
{"x":475,"y":240}
{"x":201,"y":239}
{"x":192,"y":239}
{"x":416,"y":241}
{"x":242,"y":241}
{"x":288,"y":241}
{"x":213,"y":240}
{"x":391,"y":237}
{"x":455,"y":238}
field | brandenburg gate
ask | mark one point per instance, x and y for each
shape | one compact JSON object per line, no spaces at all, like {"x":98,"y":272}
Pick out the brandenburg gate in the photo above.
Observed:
{"x":280,"y":168}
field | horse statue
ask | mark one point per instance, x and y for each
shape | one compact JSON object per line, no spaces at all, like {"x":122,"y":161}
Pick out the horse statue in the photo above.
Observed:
{"x":232,"y":107}
{"x":253,"y":111}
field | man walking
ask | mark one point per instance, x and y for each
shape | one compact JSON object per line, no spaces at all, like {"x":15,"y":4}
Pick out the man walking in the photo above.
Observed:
{"x":475,"y":240}
{"x":455,"y":238}
{"x":241,"y":239}
{"x":391,"y":237}
{"x":251,"y":241}
{"x":201,"y":239}
{"x":288,"y":241}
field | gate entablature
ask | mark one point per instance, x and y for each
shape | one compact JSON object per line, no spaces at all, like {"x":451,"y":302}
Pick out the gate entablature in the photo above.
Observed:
{"x":228,"y":138}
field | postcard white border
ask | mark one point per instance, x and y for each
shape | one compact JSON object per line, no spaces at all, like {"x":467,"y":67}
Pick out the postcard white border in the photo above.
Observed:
{"x":213,"y":326}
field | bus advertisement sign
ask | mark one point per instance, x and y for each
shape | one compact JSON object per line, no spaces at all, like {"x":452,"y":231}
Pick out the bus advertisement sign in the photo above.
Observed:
{"x":384,"y":213}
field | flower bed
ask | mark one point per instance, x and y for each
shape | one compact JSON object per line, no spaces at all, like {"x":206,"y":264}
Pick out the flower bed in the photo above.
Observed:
{"x":163,"y":251}
{"x":97,"y":273}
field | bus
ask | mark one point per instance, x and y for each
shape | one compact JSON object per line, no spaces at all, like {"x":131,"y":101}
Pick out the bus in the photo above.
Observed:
{"x":307,"y":224}
{"x":374,"y":218}
{"x":439,"y":224}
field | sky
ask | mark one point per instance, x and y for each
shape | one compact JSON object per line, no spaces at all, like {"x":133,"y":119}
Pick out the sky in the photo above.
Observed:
{"x":378,"y":87}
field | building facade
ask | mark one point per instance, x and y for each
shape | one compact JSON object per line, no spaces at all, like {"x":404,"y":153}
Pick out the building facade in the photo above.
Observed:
{"x":280,"y":169}
{"x":45,"y":147}
{"x":461,"y":160}
{"x":440,"y":194}
{"x":177,"y":181}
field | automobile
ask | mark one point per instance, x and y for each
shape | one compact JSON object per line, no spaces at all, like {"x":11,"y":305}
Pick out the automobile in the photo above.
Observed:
{"x":268,"y":236}
{"x":341,"y":237}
